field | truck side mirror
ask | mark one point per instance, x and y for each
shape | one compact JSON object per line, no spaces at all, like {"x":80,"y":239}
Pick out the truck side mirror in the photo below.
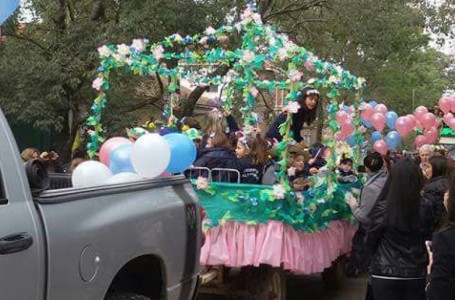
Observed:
{"x":37,"y":176}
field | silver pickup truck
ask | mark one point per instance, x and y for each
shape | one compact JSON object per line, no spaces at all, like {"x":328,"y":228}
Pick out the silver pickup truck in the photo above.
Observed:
{"x":127,"y":241}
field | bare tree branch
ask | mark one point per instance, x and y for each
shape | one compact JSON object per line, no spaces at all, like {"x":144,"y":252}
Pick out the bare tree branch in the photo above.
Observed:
{"x":294,"y":7}
{"x":98,"y":11}
{"x":30,"y":40}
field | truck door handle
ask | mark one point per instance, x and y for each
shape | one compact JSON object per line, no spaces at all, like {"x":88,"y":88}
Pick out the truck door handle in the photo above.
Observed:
{"x":15,"y":243}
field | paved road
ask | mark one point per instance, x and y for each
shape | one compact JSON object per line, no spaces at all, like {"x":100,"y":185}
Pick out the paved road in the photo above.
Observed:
{"x":311,"y":287}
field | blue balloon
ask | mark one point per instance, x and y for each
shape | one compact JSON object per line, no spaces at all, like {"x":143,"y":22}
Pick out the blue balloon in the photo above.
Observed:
{"x":393,"y":140}
{"x":7,"y":8}
{"x":373,"y":103}
{"x":183,"y":152}
{"x":391,"y":119}
{"x":352,"y":141}
{"x":376,"y":136}
{"x":120,"y":159}
{"x":367,"y":124}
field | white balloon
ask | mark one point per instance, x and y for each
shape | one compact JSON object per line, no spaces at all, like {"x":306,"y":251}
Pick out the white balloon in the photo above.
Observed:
{"x":90,"y":173}
{"x":123,"y":177}
{"x":150,"y":155}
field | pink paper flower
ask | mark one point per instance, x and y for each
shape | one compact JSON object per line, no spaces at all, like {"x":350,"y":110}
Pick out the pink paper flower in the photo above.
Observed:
{"x":158,"y":52}
{"x":295,"y":75}
{"x":248,"y":56}
{"x":279,"y":191}
{"x":98,"y":83}
{"x":254,"y":92}
{"x":282,"y":54}
{"x":139,"y":45}
{"x":123,"y":50}
{"x":292,"y":107}
{"x":202,"y":183}
{"x":104,"y":51}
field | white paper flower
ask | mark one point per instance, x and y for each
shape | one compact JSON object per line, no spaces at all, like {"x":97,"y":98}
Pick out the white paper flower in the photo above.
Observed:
{"x":123,"y":50}
{"x":292,"y":107}
{"x":202,"y":183}
{"x":291,"y":171}
{"x":203,"y":40}
{"x":254,"y":92}
{"x":178,"y":38}
{"x":98,"y":83}
{"x":139,"y":45}
{"x":279,"y":191}
{"x":210,"y":30}
{"x":248,"y":56}
{"x":158,"y":52}
{"x":104,"y":51}
{"x":282,"y":54}
{"x":295,"y":75}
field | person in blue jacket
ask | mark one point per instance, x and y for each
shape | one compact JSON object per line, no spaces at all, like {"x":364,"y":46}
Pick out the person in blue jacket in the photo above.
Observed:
{"x":305,"y":115}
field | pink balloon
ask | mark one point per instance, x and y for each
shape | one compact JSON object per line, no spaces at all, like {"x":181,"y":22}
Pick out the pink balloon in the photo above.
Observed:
{"x":419,"y":125}
{"x":420,"y":112}
{"x":378,"y":121}
{"x":367,"y":113}
{"x":452,"y":103}
{"x":403,"y":126}
{"x":341,"y":117}
{"x":431,"y":135}
{"x":380,"y":146}
{"x":109,"y":146}
{"x":381,"y":108}
{"x":445,"y":104}
{"x":428,"y":121}
{"x":447,"y":118}
{"x":166,"y":174}
{"x":452,"y":123}
{"x":412,"y":121}
{"x":420,"y":141}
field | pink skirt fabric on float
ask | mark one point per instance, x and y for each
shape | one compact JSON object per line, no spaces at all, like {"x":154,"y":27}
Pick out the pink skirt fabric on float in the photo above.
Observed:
{"x":238,"y":244}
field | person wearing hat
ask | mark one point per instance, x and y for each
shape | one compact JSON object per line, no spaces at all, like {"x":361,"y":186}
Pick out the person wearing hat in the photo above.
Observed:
{"x":306,"y":114}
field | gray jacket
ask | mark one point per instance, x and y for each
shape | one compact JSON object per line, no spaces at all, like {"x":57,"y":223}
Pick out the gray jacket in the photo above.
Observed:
{"x":369,"y":194}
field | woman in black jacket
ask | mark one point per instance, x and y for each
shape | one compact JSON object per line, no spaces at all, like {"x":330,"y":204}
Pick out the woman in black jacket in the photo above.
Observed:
{"x":399,"y":226}
{"x":434,"y":190}
{"x":306,"y":114}
{"x":442,"y":277}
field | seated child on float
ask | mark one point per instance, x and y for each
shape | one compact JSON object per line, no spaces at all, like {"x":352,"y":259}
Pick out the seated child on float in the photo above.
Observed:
{"x":299,"y":170}
{"x":345,"y":172}
{"x":251,"y":152}
{"x":318,"y":153}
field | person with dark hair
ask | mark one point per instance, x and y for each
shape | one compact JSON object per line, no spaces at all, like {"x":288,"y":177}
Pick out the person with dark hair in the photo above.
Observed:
{"x":396,"y":237}
{"x":377,"y":177}
{"x":433,"y":192}
{"x":306,"y":114}
{"x":441,"y":284}
{"x":345,"y":173}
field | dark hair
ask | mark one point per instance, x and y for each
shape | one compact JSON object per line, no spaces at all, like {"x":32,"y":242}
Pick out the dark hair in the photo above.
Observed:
{"x":450,"y":219}
{"x":403,"y":197}
{"x":438,"y":166}
{"x":346,"y":161}
{"x":373,"y":161}
{"x":304,"y":115}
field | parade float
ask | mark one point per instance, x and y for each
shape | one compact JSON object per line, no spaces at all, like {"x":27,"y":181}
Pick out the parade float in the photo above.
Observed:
{"x":262,"y":230}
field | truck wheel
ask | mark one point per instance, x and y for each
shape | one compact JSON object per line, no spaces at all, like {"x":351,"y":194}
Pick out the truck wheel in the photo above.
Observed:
{"x":265,"y":283}
{"x":127,"y":296}
{"x":333,"y":277}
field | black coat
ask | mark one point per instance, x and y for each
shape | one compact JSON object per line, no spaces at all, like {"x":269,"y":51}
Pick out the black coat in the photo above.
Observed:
{"x":225,"y":158}
{"x":433,"y":193}
{"x":249,"y":172}
{"x":274,"y":130}
{"x":395,"y":253}
{"x":442,"y":278}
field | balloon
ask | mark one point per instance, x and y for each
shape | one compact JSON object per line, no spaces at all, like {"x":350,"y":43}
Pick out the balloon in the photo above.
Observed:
{"x":120,"y":160}
{"x":123,"y":177}
{"x":452,"y":123}
{"x":367,"y":113}
{"x":166,"y":174}
{"x":7,"y":8}
{"x":352,"y":140}
{"x":376,"y":136}
{"x":452,"y":103}
{"x":90,"y":173}
{"x":428,"y":120}
{"x":448,"y":117}
{"x":445,"y":104}
{"x":431,"y":135}
{"x":391,"y":119}
{"x":412,"y":121}
{"x":420,"y":140}
{"x":150,"y":155}
{"x":366,"y":124}
{"x":380,"y":147}
{"x":420,"y":112}
{"x":381,"y":108}
{"x":372,"y":103}
{"x":403,"y":126}
{"x":183,"y":152}
{"x":419,"y":125}
{"x":378,"y":121}
{"x":393,"y":140}
{"x":341,"y":116}
{"x":109,"y":146}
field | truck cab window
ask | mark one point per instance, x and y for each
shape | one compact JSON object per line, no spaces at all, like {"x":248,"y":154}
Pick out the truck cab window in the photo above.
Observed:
{"x":3,"y":199}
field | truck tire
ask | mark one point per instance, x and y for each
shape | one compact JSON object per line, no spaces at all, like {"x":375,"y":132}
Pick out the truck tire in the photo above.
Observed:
{"x":265,"y":283}
{"x":333,"y":277}
{"x":127,"y":296}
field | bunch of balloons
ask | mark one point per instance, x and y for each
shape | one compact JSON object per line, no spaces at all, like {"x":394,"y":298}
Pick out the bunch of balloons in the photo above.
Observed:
{"x":123,"y":161}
